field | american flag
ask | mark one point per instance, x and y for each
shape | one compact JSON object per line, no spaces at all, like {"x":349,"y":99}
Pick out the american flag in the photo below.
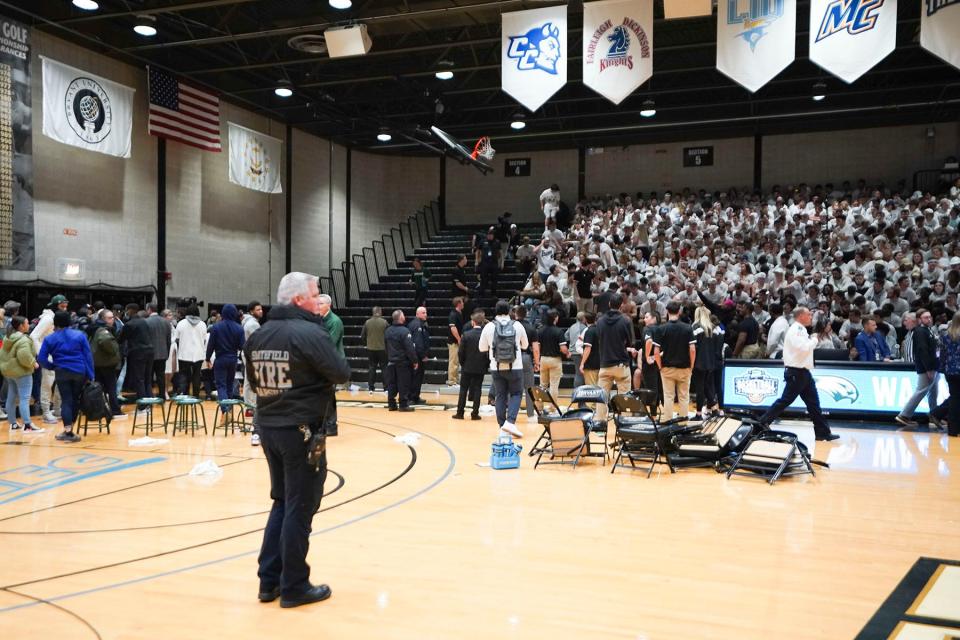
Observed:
{"x":183,"y":113}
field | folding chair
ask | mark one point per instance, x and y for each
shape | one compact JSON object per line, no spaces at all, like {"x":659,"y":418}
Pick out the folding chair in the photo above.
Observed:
{"x":640,"y":436}
{"x":772,"y":455}
{"x":547,"y":410}
{"x":721,"y":439}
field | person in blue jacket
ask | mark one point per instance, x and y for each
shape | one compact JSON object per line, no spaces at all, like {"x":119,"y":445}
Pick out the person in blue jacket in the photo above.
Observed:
{"x":67,"y":353}
{"x":226,"y":341}
{"x":870,"y":345}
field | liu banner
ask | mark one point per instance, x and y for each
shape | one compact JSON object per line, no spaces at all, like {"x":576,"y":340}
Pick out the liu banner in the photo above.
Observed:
{"x":940,"y":29}
{"x":756,"y":39}
{"x":617,"y":46}
{"x":849,"y":37}
{"x":534,"y":54}
{"x":254,"y":159}
{"x":86,"y":111}
{"x":16,"y":153}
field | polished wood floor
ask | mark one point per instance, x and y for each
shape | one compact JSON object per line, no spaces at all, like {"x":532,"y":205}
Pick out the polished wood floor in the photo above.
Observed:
{"x":103,"y":539}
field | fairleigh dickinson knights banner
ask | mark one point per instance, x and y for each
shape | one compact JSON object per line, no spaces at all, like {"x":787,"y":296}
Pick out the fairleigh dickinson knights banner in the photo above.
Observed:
{"x":16,"y":149}
{"x":849,"y":37}
{"x":940,"y":29}
{"x":617,"y":46}
{"x":756,"y":39}
{"x":534,"y":54}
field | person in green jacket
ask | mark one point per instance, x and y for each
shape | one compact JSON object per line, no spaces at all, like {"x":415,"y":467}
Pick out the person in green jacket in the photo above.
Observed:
{"x":17,"y":364}
{"x":332,"y":322}
{"x":107,"y":358}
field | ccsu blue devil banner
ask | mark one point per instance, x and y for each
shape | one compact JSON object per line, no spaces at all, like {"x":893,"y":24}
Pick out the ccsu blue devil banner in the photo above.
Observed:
{"x":534,"y":54}
{"x":849,"y":37}
{"x":617,"y":46}
{"x":940,"y":29}
{"x":756,"y":39}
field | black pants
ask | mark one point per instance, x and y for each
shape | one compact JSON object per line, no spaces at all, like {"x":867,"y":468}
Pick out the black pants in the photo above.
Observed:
{"x":704,"y":388}
{"x":107,"y":377}
{"x":139,"y":373}
{"x":397,"y":378}
{"x":376,"y":360}
{"x":189,"y":377}
{"x":159,"y":378}
{"x":416,"y":381}
{"x":470,"y":387}
{"x":488,"y":279}
{"x":949,"y":409}
{"x":800,"y":383}
{"x":296,"y":489}
{"x":420,"y":297}
{"x":651,"y":380}
{"x":69,"y":384}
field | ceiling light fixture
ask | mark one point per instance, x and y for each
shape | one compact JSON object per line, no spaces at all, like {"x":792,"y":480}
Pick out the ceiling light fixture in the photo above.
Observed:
{"x":86,"y":5}
{"x":819,"y":91}
{"x":648,"y":108}
{"x":444,"y":70}
{"x":384,"y":135}
{"x":341,"y":4}
{"x":283,"y":89}
{"x":518,"y":122}
{"x":146,"y":26}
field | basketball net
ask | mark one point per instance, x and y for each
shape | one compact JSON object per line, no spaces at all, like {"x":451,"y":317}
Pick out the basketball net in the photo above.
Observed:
{"x":483,"y":149}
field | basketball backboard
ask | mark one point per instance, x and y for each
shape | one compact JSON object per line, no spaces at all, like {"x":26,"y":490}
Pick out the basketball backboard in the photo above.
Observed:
{"x":455,"y":148}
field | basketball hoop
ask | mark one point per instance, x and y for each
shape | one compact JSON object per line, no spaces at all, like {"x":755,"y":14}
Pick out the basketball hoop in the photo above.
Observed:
{"x":483,"y":149}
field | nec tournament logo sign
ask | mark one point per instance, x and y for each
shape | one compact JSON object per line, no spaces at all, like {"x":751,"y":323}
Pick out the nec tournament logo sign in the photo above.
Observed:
{"x":88,"y":110}
{"x":935,"y":5}
{"x":852,"y":16}
{"x":538,"y":48}
{"x":758,"y":17}
{"x":618,"y":53}
{"x":837,"y":388}
{"x":756,"y":386}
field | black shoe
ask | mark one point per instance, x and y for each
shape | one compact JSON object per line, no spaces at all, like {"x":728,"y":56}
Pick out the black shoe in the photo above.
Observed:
{"x":406,"y":409}
{"x":457,"y":416}
{"x":394,"y":408}
{"x":475,"y":416}
{"x":67,"y":436}
{"x":828,"y":437}
{"x":268,"y":595}
{"x":418,"y":401}
{"x":314,"y":594}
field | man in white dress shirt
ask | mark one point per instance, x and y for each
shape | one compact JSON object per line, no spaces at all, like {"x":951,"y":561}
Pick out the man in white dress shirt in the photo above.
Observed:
{"x":798,"y":348}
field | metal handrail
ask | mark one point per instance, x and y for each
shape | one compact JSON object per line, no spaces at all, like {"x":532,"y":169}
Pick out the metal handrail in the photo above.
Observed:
{"x":370,"y":256}
{"x":380,"y":258}
{"x":392,"y":255}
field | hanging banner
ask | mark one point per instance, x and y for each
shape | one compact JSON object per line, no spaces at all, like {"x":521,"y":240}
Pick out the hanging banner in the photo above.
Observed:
{"x":254,"y":159}
{"x":849,"y":37}
{"x":940,"y":29}
{"x":617,"y":46}
{"x":756,"y":39}
{"x":86,"y":111}
{"x":16,"y":149}
{"x":674,"y":9}
{"x":534,"y":54}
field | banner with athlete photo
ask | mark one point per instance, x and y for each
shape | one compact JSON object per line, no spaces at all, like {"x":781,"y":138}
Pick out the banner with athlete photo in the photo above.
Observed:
{"x":86,"y":111}
{"x":254,"y":159}
{"x":756,"y":39}
{"x":534,"y":54}
{"x":940,"y":29}
{"x":849,"y":37}
{"x":617,"y":46}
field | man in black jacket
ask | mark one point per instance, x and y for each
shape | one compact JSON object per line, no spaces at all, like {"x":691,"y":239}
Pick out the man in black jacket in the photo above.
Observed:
{"x":137,"y":339}
{"x":161,"y":334}
{"x":473,"y":365}
{"x":421,"y":342}
{"x":402,"y":362}
{"x":615,"y":334}
{"x":293,"y":367}
{"x":926,"y":362}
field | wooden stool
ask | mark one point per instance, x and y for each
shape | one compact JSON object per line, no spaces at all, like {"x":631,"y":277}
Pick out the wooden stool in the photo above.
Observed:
{"x":147,"y":404}
{"x":233,"y":418}
{"x":185,"y":412}
{"x":83,"y":422}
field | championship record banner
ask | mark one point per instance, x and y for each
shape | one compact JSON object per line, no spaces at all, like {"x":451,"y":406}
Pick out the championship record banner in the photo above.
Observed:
{"x":940,"y":29}
{"x":756,"y":39}
{"x":16,"y":149}
{"x":534,"y":54}
{"x":617,"y":46}
{"x":849,"y":37}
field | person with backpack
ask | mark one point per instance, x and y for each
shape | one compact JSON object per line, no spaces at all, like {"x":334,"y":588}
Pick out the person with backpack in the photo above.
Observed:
{"x":18,"y":361}
{"x":106,"y":358}
{"x":66,"y":352}
{"x":505,"y":339}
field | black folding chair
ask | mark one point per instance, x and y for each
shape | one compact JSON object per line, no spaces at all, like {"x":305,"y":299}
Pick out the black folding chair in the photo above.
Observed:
{"x":548,"y":410}
{"x":640,"y":435}
{"x":772,"y":455}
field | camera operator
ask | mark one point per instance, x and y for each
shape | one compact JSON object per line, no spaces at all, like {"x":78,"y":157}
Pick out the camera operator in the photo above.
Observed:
{"x":293,"y":365}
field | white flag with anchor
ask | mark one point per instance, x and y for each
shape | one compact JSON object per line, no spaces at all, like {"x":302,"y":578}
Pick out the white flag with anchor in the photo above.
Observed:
{"x":254,"y":159}
{"x":756,"y":39}
{"x":940,"y":29}
{"x":534,"y":54}
{"x":617,"y":46}
{"x":849,"y":37}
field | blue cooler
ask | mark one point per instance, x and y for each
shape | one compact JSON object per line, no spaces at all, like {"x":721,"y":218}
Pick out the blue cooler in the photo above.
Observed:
{"x":505,"y":454}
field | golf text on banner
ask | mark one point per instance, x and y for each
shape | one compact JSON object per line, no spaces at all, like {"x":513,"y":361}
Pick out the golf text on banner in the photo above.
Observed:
{"x":849,"y":37}
{"x":85,"y":110}
{"x":617,"y":46}
{"x":534,"y":54}
{"x":254,"y":159}
{"x":940,"y":29}
{"x":756,"y":39}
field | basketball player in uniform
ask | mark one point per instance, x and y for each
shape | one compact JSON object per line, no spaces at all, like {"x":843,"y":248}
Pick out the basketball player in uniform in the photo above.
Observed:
{"x":550,"y":204}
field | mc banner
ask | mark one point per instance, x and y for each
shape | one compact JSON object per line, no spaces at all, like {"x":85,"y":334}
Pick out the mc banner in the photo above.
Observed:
{"x":534,"y":54}
{"x":617,"y":46}
{"x":849,"y":37}
{"x":940,"y":29}
{"x":756,"y":39}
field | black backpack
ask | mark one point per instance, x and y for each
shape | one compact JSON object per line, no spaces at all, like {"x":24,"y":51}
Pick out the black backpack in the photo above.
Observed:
{"x":94,"y":403}
{"x":504,"y":343}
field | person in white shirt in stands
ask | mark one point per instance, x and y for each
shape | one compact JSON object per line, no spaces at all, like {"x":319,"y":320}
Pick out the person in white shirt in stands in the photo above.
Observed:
{"x":798,"y":346}
{"x":550,"y":204}
{"x":778,"y":331}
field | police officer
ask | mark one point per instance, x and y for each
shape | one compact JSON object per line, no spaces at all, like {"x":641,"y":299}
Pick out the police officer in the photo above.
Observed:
{"x":402,"y":362}
{"x":293,"y":366}
{"x":421,"y":341}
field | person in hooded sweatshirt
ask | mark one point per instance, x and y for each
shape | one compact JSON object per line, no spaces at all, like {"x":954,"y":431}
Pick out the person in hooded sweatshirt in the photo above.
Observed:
{"x":226,"y":341}
{"x":66,"y":352}
{"x":191,"y":350}
{"x":18,"y":361}
{"x":106,"y":357}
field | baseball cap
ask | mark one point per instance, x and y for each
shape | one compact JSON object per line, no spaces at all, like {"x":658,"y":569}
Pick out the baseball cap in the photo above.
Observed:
{"x":11,"y":304}
{"x":58,"y":299}
{"x":954,"y":261}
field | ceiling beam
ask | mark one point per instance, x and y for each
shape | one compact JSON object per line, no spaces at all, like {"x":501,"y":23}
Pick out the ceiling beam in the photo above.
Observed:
{"x":174,"y":8}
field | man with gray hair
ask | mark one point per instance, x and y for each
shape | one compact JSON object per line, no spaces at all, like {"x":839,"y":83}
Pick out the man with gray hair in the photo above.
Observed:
{"x":332,"y":322}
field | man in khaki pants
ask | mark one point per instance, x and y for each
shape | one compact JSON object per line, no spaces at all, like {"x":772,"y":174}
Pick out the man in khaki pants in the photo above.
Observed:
{"x":675,"y":351}
{"x":455,"y":323}
{"x":615,"y":334}
{"x":553,"y":349}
